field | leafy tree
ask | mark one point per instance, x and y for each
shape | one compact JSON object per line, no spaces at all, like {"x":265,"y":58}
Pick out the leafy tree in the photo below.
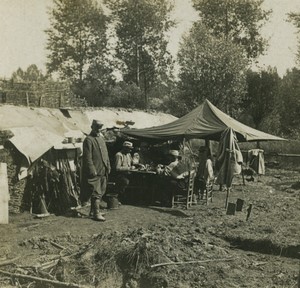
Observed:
{"x":141,"y":28}
{"x":262,"y":94}
{"x":295,"y":19}
{"x":32,"y":74}
{"x":211,"y":68}
{"x":124,"y":95}
{"x":160,"y":93}
{"x":290,"y":103}
{"x":237,"y":20}
{"x":172,"y":103}
{"x":18,"y":75}
{"x":97,"y":84}
{"x":76,"y":39}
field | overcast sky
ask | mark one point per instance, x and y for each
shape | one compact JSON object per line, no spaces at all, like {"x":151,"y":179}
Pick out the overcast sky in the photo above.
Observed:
{"x":22,"y":25}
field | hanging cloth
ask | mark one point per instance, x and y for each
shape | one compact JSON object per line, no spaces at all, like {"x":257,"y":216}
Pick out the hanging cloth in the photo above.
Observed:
{"x":229,"y":158}
{"x":256,"y":161}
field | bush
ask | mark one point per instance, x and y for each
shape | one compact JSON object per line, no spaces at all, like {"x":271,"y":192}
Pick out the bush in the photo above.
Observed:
{"x":125,"y":95}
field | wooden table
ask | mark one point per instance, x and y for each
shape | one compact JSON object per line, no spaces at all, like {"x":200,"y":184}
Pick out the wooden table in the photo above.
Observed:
{"x":142,"y":172}
{"x":143,"y":180}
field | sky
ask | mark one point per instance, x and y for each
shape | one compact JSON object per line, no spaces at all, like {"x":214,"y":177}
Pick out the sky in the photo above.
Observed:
{"x":23,"y":40}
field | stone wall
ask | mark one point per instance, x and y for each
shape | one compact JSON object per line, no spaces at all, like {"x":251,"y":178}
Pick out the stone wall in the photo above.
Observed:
{"x":39,"y":94}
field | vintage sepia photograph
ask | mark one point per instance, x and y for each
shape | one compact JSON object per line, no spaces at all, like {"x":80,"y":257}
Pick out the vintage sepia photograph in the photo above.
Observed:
{"x":150,"y":143}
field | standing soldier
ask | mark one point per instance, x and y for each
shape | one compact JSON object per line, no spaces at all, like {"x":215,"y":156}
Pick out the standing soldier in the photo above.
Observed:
{"x":95,"y":169}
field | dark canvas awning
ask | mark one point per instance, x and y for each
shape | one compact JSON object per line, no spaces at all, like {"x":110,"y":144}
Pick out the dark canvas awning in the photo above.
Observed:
{"x":204,"y":122}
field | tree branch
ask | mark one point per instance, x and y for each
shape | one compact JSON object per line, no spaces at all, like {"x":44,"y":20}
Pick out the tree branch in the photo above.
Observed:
{"x":42,"y":280}
{"x":191,"y":262}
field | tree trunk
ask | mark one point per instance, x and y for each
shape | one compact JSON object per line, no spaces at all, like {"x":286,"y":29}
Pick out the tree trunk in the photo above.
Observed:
{"x":80,"y":73}
{"x":145,"y":92}
{"x":137,"y":65}
{"x":226,"y":22}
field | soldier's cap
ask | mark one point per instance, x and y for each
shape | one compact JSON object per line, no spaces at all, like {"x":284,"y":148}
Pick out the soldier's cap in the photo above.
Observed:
{"x":127,"y":144}
{"x":97,"y":123}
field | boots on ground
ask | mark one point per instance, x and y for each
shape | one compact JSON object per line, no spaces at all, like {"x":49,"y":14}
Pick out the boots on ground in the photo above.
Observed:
{"x":96,"y":210}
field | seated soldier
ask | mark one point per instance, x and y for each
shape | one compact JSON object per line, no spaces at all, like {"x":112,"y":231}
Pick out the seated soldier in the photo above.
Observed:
{"x":145,"y":155}
{"x":123,"y":164}
{"x":136,"y":158}
{"x":175,"y":177}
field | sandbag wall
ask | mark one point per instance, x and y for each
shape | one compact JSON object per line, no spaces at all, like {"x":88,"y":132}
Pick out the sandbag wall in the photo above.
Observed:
{"x":16,"y":188}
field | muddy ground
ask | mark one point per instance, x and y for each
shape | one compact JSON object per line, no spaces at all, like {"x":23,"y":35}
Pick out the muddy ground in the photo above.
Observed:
{"x":231,"y":251}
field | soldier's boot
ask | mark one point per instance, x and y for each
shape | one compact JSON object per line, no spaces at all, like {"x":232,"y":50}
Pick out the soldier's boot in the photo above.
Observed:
{"x":97,"y":215}
{"x":91,"y":214}
{"x":194,"y":199}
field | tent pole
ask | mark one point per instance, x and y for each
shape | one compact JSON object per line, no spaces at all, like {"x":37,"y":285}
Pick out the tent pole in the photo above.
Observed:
{"x":243,"y":176}
{"x":207,"y":143}
{"x":227,"y":196}
{"x":183,"y":145}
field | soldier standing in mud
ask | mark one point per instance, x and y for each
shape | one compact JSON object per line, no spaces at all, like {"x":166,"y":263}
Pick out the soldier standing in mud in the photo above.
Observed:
{"x":95,"y":169}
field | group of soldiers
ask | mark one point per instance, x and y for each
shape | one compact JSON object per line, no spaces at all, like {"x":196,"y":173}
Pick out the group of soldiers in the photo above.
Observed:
{"x":96,"y":167}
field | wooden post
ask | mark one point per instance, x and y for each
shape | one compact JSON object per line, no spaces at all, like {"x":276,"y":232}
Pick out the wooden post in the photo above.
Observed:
{"x":243,"y":176}
{"x":239,"y":204}
{"x":27,"y":99}
{"x":60,"y":99}
{"x":40,"y":100}
{"x":230,"y":209}
{"x":4,"y":194}
{"x":249,"y":209}
{"x":227,"y":196}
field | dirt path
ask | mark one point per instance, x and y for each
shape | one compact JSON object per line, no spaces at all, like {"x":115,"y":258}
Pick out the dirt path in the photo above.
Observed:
{"x":260,"y":252}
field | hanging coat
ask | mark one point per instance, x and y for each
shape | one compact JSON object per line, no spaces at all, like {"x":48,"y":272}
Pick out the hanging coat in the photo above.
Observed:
{"x":229,"y":158}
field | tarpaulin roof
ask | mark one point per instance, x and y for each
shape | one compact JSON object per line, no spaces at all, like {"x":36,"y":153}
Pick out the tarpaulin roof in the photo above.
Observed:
{"x":204,"y":122}
{"x":32,"y":142}
{"x":37,"y":129}
{"x":63,"y":120}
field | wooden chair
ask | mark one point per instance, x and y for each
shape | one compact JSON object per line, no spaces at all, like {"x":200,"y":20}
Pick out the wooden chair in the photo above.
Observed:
{"x":185,"y":196}
{"x":207,"y":192}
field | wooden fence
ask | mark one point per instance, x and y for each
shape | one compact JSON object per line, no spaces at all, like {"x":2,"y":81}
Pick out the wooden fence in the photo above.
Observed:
{"x":39,"y":94}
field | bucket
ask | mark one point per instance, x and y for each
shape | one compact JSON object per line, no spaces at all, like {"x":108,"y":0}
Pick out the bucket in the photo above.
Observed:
{"x":112,"y":201}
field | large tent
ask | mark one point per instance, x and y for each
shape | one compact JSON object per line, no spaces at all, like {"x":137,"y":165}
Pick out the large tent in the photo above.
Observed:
{"x":204,"y":122}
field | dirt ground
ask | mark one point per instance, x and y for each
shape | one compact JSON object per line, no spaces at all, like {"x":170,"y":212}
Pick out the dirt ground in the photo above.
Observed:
{"x":200,"y":247}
